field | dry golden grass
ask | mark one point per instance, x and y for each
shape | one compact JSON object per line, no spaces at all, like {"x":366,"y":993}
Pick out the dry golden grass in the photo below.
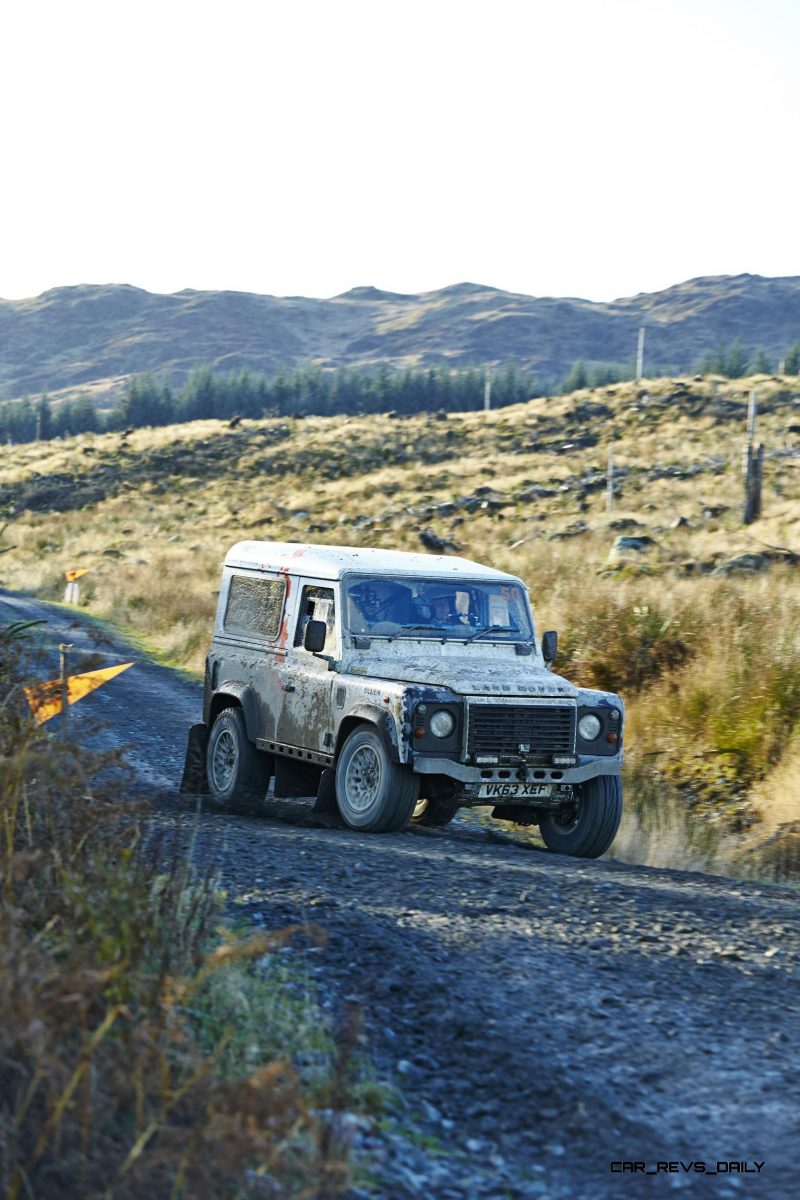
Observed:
{"x":167,"y":503}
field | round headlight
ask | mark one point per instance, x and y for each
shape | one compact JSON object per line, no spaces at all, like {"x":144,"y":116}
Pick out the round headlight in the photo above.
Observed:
{"x":589,"y":727}
{"x":442,"y":723}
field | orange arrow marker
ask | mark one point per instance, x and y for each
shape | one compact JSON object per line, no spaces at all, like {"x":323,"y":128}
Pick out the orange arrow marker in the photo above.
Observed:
{"x":71,"y":576}
{"x":45,"y":698}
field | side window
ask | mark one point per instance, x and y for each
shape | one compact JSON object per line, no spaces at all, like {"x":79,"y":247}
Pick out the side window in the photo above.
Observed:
{"x":254,"y":606}
{"x":316,"y":604}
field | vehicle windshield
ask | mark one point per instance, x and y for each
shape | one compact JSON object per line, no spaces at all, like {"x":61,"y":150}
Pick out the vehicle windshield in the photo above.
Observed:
{"x":452,"y":609}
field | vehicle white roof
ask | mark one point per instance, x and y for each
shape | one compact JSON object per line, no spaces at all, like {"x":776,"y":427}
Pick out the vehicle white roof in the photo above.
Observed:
{"x":331,"y":562}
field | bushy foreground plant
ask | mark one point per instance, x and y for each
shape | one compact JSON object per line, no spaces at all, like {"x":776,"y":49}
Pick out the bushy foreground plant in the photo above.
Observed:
{"x":622,"y":643}
{"x":138,"y":1054}
{"x":709,"y":668}
{"x":741,"y":698}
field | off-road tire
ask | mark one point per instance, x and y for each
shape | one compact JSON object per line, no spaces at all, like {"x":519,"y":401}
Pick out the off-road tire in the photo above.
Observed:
{"x":434,"y":812}
{"x":593,"y":826}
{"x":372,"y":792}
{"x":235,"y":769}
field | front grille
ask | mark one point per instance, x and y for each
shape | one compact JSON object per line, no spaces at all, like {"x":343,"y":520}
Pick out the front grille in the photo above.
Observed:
{"x":502,"y":728}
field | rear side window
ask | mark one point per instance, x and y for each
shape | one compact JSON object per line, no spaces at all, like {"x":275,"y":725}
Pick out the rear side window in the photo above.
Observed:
{"x":254,"y":606}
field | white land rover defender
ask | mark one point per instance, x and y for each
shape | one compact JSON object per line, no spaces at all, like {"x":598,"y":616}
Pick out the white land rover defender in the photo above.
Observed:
{"x":406,"y":686}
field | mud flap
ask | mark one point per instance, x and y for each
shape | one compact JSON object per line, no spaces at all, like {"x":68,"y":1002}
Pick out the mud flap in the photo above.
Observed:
{"x":194,"y":781}
{"x":326,"y":810}
{"x":326,"y":793}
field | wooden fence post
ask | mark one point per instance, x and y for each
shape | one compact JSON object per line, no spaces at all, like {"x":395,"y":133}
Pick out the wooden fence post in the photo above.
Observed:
{"x":753,"y":468}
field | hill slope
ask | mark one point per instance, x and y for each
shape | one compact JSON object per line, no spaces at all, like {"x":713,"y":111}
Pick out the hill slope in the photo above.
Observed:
{"x":91,"y":335}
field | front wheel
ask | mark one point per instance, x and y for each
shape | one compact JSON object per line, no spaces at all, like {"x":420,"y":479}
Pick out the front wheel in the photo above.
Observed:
{"x":372,"y":792}
{"x":588,"y":827}
{"x":236,"y":770}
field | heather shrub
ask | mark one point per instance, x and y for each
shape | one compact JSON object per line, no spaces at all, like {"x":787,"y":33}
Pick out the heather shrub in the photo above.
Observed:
{"x":622,"y":645}
{"x":143,"y":1049}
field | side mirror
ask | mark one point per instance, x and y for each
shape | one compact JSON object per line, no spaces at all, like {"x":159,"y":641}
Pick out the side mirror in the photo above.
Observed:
{"x":549,"y":646}
{"x":315,"y":635}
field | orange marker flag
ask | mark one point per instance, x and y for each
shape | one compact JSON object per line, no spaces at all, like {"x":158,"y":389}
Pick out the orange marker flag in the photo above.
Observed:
{"x":71,"y":576}
{"x":45,"y":698}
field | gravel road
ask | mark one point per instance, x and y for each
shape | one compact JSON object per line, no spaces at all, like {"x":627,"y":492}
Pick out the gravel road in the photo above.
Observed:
{"x":546,"y":1021}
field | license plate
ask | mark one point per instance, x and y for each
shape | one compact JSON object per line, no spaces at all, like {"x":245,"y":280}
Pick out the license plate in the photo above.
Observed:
{"x":522,"y":791}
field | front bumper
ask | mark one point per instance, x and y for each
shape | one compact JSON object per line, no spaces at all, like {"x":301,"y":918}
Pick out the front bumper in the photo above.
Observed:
{"x":587,"y":768}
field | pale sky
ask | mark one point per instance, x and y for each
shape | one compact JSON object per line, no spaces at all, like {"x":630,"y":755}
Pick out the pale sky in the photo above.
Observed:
{"x":592,"y":148}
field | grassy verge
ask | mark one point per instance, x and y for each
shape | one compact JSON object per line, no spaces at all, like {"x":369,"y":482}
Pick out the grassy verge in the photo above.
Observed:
{"x":145,"y":1048}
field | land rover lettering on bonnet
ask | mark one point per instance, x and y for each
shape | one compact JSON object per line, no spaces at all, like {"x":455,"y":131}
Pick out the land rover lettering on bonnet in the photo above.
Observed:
{"x":400,"y":687}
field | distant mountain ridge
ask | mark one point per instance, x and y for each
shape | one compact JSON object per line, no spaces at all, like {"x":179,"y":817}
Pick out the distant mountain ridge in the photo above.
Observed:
{"x":88,"y":335}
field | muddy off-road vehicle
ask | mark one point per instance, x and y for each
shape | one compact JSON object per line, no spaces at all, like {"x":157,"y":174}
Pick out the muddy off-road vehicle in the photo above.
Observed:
{"x":400,"y":687}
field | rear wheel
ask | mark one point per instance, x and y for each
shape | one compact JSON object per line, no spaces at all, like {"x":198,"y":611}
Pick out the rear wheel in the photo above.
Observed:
{"x":372,"y":792}
{"x":236,"y":770}
{"x":586,"y":828}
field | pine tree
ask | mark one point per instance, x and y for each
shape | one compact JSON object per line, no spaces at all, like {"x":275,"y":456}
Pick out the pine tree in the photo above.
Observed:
{"x":791,"y":363}
{"x":760,"y":364}
{"x":576,"y":379}
{"x":22,"y":421}
{"x":198,"y":396}
{"x":84,"y":416}
{"x":736,"y":361}
{"x":714,"y":362}
{"x":44,"y":419}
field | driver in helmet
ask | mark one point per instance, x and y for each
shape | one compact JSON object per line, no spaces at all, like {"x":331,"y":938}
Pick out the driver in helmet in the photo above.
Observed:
{"x":442,"y":603}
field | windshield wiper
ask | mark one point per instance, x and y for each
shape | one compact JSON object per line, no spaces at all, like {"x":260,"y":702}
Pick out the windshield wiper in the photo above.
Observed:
{"x":403,"y":630}
{"x":491,"y":629}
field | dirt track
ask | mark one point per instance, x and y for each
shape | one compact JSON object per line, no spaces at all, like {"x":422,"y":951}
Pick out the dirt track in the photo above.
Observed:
{"x":543,"y":1017}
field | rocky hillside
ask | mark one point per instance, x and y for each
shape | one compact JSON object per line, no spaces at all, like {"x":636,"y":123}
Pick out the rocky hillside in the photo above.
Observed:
{"x":89,"y":337}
